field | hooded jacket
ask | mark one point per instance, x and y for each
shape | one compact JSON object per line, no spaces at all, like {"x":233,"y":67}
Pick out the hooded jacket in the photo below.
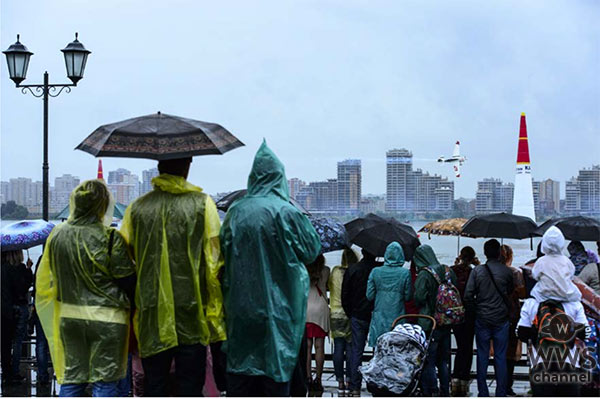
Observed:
{"x":173,"y":232}
{"x":266,"y":242}
{"x":389,"y":286}
{"x":340,"y":324}
{"x":554,"y":271}
{"x":84,"y":313}
{"x":426,"y":286}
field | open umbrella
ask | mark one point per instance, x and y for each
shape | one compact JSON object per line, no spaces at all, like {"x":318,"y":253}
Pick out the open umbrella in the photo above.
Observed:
{"x":225,"y":202}
{"x":446,"y":227}
{"x":332,"y":234}
{"x":159,"y":136}
{"x":499,"y":225}
{"x":25,"y":234}
{"x":579,"y":228}
{"x":374,"y":233}
{"x":119,"y":212}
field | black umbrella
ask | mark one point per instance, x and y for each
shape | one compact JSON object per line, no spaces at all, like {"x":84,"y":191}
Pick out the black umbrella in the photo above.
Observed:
{"x":579,"y":228}
{"x":499,"y":225}
{"x":374,"y":233}
{"x":225,"y":202}
{"x":159,"y":136}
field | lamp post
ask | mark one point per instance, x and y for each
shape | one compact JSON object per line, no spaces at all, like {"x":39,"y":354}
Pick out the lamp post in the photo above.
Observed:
{"x":17,"y":58}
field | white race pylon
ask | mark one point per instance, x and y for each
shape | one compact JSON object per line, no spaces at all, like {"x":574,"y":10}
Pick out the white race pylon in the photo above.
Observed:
{"x":523,"y":195}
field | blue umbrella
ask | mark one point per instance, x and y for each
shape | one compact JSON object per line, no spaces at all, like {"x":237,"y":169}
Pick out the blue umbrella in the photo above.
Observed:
{"x":25,"y":234}
{"x":332,"y":234}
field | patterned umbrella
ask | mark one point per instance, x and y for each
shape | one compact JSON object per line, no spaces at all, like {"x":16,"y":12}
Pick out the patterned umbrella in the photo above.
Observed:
{"x":25,"y":234}
{"x":445,"y":227}
{"x":159,"y":136}
{"x":332,"y":233}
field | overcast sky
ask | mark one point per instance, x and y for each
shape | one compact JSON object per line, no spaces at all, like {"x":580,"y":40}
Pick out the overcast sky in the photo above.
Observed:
{"x":322,"y":81}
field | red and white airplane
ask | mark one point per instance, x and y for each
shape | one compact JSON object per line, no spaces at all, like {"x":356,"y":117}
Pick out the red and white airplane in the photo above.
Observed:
{"x":456,"y":159}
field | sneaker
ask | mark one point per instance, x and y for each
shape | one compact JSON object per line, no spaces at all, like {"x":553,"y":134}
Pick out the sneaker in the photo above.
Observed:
{"x":510,"y":392}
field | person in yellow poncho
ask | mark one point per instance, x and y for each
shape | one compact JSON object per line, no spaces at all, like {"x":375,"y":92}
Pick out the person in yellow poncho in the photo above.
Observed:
{"x":173,"y":232}
{"x":81,"y":296}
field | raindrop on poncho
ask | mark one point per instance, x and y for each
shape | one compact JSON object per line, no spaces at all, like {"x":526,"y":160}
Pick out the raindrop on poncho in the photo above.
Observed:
{"x":83,"y":312}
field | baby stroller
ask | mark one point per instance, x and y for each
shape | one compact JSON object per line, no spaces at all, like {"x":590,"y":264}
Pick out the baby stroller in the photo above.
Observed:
{"x":398,"y":360}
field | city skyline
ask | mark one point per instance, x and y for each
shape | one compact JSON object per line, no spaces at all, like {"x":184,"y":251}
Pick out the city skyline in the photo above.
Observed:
{"x":321,"y":81}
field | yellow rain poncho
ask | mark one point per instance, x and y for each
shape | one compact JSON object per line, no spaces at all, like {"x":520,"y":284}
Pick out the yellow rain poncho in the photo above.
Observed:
{"x":340,"y":324}
{"x":83,"y":312}
{"x":266,"y":242}
{"x":173,"y":232}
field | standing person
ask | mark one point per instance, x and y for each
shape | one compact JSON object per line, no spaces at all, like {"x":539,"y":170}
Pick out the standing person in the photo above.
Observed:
{"x":359,"y":309}
{"x":591,"y":276}
{"x":389,"y":286}
{"x":340,"y":324}
{"x":317,"y":320}
{"x":8,"y":323}
{"x":426,"y":289}
{"x":22,"y":278}
{"x":464,"y":333}
{"x":487,"y":293}
{"x":173,"y":232}
{"x":82,"y":288}
{"x":266,"y":242}
{"x":513,"y":351}
{"x":579,"y":256}
{"x":41,"y":343}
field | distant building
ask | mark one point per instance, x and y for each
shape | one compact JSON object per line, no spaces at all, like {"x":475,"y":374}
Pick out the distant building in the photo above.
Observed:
{"x":582,"y":194}
{"x":294,"y":186}
{"x":349,"y":185}
{"x":124,"y":186}
{"x":493,"y":196}
{"x":546,"y":196}
{"x":147,"y":176}
{"x":319,"y":196}
{"x":63,"y":186}
{"x":414,"y":190}
{"x":372,"y":204}
{"x":24,"y":192}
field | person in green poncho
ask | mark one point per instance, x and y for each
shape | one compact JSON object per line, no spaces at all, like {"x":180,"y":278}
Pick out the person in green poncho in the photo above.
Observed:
{"x":266,"y":242}
{"x":173,"y":232}
{"x":81,"y":295}
{"x":389,"y":286}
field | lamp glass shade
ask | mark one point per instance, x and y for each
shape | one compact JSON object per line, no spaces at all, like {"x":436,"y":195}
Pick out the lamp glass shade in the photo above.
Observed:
{"x":75,"y":59}
{"x":17,"y":59}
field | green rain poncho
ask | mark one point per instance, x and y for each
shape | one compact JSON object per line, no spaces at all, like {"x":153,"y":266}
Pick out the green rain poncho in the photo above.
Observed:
{"x":340,"y":324}
{"x":389,"y":285}
{"x":83,"y":312}
{"x":426,"y":286}
{"x":266,"y":242}
{"x":174,"y":235}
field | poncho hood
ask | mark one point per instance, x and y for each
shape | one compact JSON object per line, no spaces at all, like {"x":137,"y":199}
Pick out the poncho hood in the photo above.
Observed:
{"x":89,"y":203}
{"x":267,"y":176}
{"x":424,"y":257}
{"x":553,"y":241}
{"x":174,"y":184}
{"x":394,"y":255}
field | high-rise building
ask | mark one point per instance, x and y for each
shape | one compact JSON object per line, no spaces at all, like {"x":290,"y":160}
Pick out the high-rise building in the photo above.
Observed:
{"x":124,"y":186}
{"x":398,"y":176}
{"x":147,"y":176}
{"x":493,"y":196}
{"x":546,"y":196}
{"x":523,"y":203}
{"x":349,"y":185}
{"x":572,"y":196}
{"x":583,"y":193}
{"x":63,"y":186}
{"x":294,"y":186}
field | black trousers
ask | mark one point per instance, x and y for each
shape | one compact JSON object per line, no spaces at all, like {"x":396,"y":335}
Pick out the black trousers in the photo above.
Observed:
{"x":255,"y":386}
{"x":464,"y":334}
{"x":190,"y":371}
{"x":219,"y":361}
{"x":6,"y":340}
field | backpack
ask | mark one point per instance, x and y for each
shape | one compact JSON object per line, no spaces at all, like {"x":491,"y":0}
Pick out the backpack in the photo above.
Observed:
{"x":449,"y":309}
{"x":555,"y":330}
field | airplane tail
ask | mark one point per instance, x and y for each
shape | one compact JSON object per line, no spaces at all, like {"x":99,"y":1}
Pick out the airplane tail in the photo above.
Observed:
{"x":456,"y":152}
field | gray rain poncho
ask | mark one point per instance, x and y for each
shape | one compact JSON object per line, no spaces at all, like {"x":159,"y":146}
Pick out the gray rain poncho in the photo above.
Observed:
{"x":554,"y":271}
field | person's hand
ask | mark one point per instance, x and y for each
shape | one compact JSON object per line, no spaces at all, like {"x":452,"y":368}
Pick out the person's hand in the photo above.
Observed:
{"x":29,"y":263}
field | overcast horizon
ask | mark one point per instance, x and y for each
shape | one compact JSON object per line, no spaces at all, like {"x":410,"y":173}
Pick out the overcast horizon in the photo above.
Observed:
{"x":321,"y":81}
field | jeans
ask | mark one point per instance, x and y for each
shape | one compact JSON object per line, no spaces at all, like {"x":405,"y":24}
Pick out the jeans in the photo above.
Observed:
{"x":99,"y":389}
{"x":360,"y":330}
{"x":251,"y":385}
{"x":124,"y":385}
{"x":41,"y":352}
{"x":21,"y":320}
{"x":190,"y":371}
{"x":438,"y":355}
{"x":499,"y":335}
{"x":341,"y":352}
{"x":464,"y":334}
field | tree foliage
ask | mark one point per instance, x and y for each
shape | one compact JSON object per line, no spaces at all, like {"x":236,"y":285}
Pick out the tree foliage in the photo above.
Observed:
{"x":11,"y":210}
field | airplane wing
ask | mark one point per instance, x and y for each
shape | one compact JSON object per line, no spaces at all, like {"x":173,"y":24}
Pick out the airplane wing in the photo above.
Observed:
{"x":456,"y":152}
{"x":457,"y":169}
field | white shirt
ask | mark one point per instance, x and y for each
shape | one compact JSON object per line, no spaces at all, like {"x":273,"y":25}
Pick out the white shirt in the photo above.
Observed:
{"x":529,"y":311}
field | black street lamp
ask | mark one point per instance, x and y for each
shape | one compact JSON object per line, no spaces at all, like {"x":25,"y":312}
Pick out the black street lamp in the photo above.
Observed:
{"x":17,"y":58}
